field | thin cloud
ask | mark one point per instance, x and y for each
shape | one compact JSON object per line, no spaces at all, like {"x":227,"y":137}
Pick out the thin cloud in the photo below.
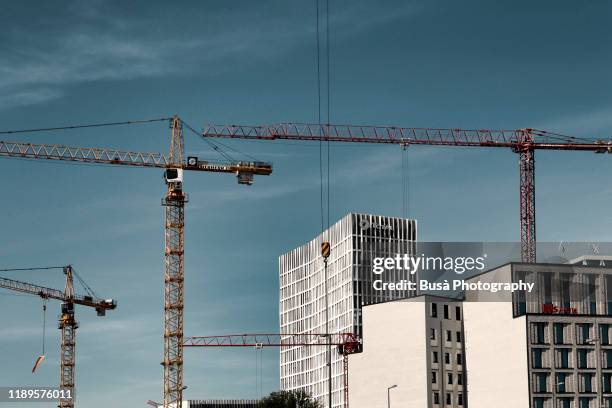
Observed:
{"x":24,"y":97}
{"x":11,"y":334}
{"x":105,"y":47}
{"x":596,"y":123}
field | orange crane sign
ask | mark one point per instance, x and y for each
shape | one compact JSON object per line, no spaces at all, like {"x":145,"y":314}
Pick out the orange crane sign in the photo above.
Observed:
{"x":174,"y":202}
{"x":524,"y":142}
{"x":347,"y":343}
{"x":67,"y":323}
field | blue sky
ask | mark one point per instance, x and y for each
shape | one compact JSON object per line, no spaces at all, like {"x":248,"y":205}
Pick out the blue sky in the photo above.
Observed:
{"x":474,"y":64}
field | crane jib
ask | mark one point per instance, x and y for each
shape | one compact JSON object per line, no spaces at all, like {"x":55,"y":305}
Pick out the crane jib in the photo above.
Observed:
{"x":94,"y":155}
{"x":50,"y":293}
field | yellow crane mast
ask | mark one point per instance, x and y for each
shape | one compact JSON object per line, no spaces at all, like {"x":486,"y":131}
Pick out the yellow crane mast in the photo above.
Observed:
{"x":174,"y":201}
{"x":67,"y":322}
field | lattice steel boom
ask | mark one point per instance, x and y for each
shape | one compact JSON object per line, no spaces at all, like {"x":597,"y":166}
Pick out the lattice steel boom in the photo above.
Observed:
{"x":347,"y":343}
{"x":67,"y":323}
{"x":522,"y":141}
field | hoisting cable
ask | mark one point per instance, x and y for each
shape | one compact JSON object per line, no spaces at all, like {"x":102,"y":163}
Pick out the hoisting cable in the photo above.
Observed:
{"x":319,"y":116}
{"x":256,"y":374}
{"x":405,"y":181}
{"x":328,"y":106}
{"x":216,"y":148}
{"x":89,"y":290}
{"x":325,"y":245}
{"x":41,"y":357}
{"x":260,"y":373}
{"x":192,"y":129}
{"x":44,"y":325}
{"x":259,"y":370}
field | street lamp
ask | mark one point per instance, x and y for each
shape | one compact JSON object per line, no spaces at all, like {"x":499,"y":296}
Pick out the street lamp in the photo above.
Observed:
{"x":389,"y":395}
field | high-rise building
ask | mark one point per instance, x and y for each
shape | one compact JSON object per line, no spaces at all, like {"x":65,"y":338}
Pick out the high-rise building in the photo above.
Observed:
{"x":548,"y":348}
{"x":356,"y":240}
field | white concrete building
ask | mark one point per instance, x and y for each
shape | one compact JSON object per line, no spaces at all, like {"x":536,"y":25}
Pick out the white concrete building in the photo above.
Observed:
{"x":416,"y":345}
{"x":355,"y":239}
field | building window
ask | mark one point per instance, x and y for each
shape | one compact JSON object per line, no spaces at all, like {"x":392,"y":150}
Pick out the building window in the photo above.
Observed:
{"x":458,"y":337}
{"x":583,"y":358}
{"x":561,"y":382}
{"x":609,"y":294}
{"x":539,"y":331}
{"x":607,"y":359}
{"x":459,"y":379}
{"x":460,"y":399}
{"x":592,"y":293}
{"x":434,"y":310}
{"x":434,"y":377}
{"x":450,"y":378}
{"x":432,"y":334}
{"x":541,"y":382}
{"x":435,"y":357}
{"x":604,"y":330}
{"x":547,"y":278}
{"x":520,"y":306}
{"x":457,"y":313}
{"x":538,"y":402}
{"x":583,"y":333}
{"x":537,"y":358}
{"x":436,"y":398}
{"x":566,"y":283}
{"x":565,"y":402}
{"x":607,"y":382}
{"x":562,"y":358}
{"x":446,"y":311}
{"x":459,"y":359}
{"x":584,"y":402}
{"x":446,"y":358}
{"x":449,"y":335}
{"x":449,"y":400}
{"x":559,"y":333}
{"x":586,"y":382}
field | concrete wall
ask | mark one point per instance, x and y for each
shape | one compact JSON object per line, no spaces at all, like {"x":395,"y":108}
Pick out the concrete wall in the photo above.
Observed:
{"x":496,"y":356}
{"x":394,"y":346}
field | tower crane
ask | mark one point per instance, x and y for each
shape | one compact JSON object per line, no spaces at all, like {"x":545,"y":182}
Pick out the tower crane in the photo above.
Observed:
{"x":346,"y":343}
{"x":524,"y":142}
{"x":67,"y":323}
{"x":174,"y":201}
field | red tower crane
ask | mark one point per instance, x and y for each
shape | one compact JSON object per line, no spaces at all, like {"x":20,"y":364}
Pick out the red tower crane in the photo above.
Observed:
{"x":347,"y":343}
{"x":524,"y":142}
{"x":174,"y":202}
